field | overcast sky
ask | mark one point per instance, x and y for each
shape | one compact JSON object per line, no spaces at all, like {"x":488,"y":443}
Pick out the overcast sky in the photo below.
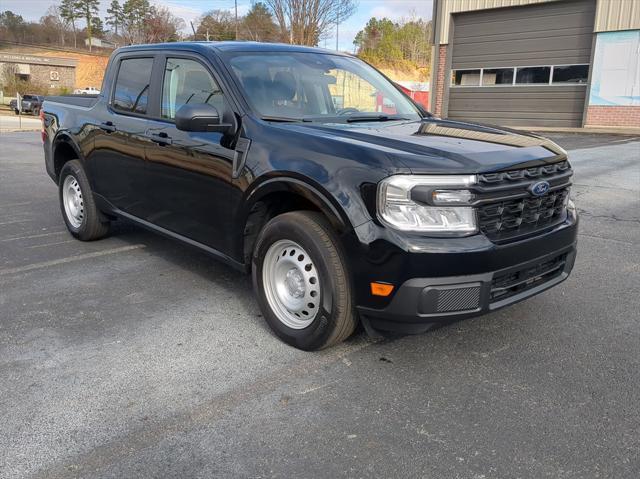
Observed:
{"x":189,"y":10}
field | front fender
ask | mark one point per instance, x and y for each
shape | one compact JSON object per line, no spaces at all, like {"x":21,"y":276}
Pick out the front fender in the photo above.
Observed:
{"x":304,"y":187}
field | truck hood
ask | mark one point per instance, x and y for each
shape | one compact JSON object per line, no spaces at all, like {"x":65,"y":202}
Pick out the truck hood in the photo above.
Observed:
{"x":442,"y":146}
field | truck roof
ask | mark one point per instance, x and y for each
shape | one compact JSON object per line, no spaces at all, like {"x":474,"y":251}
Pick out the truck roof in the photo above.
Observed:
{"x":231,"y":46}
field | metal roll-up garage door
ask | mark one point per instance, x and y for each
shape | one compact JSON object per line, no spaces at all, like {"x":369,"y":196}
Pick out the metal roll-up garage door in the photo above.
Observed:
{"x":546,"y":37}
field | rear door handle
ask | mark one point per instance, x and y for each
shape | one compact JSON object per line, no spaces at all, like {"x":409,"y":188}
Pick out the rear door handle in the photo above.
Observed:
{"x":108,"y":126}
{"x":160,"y":138}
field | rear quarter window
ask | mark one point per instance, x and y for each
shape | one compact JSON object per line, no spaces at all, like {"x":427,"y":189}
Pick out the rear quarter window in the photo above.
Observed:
{"x":131,"y":91}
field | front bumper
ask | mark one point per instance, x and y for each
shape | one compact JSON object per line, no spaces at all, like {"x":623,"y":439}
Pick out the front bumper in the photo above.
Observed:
{"x":450,"y":280}
{"x":420,"y":302}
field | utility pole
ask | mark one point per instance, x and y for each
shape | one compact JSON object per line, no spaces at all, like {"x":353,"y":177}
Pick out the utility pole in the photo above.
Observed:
{"x":236,"y":4}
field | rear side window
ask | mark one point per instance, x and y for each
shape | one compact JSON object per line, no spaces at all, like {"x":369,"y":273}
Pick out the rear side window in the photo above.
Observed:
{"x":131,"y":93}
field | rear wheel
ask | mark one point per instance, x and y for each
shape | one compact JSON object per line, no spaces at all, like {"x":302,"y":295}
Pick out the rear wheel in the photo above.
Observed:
{"x":83,"y":219}
{"x":302,"y":281}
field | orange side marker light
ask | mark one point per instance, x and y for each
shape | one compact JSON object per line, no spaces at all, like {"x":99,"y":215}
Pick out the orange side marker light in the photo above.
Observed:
{"x":381,"y":289}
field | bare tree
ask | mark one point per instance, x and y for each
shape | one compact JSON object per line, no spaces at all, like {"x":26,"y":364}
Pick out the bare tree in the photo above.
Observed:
{"x":53,"y":28}
{"x":163,"y":26}
{"x":216,"y":25}
{"x":306,"y":22}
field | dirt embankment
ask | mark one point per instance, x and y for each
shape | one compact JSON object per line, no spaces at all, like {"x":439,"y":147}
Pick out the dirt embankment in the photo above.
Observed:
{"x":414,"y":75}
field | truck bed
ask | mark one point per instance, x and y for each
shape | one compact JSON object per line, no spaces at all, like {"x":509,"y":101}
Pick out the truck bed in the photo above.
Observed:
{"x":84,"y":101}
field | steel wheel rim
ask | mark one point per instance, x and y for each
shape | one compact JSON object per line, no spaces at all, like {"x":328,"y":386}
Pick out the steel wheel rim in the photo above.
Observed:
{"x":72,"y":201}
{"x":291,"y":284}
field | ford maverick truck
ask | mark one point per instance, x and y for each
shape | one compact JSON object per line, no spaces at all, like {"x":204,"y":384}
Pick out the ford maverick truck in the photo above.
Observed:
{"x":314,"y":173}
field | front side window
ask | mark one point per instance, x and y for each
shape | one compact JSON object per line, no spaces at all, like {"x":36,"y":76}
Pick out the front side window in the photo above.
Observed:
{"x":533,"y":75}
{"x":131,"y":92}
{"x":316,"y":86}
{"x":188,"y":82}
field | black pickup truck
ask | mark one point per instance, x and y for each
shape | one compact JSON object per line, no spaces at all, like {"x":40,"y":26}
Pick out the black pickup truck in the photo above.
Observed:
{"x":312,"y":171}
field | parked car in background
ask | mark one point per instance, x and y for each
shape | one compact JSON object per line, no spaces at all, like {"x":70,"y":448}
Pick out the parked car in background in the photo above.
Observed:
{"x":30,"y":104}
{"x":90,"y":90}
{"x":279,"y":160}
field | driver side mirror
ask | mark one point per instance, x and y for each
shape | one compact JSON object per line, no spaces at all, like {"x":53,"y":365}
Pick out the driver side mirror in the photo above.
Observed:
{"x":202,"y":117}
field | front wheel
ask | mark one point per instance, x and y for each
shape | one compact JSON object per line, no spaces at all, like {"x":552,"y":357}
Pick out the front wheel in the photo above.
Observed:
{"x":302,"y":281}
{"x":82,"y":217}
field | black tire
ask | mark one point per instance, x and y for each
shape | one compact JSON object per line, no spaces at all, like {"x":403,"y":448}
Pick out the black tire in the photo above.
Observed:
{"x":17,"y":112}
{"x":336,"y":318}
{"x":94,"y":225}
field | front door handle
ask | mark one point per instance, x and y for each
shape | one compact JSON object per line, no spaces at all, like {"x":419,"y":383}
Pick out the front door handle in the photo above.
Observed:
{"x":160,"y":138}
{"x":108,"y":126}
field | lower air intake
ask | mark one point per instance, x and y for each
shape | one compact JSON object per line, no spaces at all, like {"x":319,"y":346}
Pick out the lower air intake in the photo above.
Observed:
{"x":458,"y":299}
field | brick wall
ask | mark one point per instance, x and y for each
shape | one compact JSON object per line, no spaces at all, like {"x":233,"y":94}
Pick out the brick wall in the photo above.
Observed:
{"x":438,"y":89}
{"x":624,"y":116}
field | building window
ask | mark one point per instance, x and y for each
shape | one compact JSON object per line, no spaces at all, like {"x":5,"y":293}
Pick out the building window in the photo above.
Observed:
{"x":465,"y":78}
{"x":497,"y":76}
{"x":519,"y":76}
{"x":570,"y":74}
{"x":529,"y":75}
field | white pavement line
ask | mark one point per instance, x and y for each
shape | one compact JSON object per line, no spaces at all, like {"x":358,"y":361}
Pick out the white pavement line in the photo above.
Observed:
{"x":52,"y":244}
{"x":15,"y":238}
{"x":14,"y":222}
{"x":15,"y":204}
{"x":80,"y":257}
{"x":607,"y":239}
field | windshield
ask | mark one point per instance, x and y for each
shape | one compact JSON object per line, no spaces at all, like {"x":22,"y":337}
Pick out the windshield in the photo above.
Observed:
{"x":318,"y":87}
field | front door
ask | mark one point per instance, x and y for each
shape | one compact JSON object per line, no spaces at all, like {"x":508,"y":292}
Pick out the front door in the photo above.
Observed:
{"x":190,"y":189}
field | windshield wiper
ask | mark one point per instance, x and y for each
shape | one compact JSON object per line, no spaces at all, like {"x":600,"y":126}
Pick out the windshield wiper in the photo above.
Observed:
{"x":357,"y":118}
{"x":284,"y":119}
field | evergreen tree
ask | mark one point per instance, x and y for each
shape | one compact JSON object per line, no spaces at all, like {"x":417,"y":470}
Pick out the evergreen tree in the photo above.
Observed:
{"x":115,"y":18}
{"x":88,"y":9}
{"x":69,"y":11}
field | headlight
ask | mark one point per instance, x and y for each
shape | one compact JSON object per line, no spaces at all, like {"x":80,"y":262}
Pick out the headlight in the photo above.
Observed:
{"x":421,"y":204}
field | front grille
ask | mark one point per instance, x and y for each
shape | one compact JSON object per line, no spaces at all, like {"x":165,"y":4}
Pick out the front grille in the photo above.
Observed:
{"x":509,"y":284}
{"x":506,"y":208}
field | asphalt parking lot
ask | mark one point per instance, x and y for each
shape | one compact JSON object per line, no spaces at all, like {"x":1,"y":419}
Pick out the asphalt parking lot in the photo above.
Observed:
{"x":137,"y":357}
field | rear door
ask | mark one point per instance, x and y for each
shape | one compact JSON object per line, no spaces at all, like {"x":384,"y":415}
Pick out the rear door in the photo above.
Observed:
{"x":190,"y":187}
{"x":117,"y":163}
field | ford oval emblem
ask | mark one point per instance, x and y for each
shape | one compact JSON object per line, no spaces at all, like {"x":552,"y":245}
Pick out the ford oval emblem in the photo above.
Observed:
{"x":540,"y":188}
